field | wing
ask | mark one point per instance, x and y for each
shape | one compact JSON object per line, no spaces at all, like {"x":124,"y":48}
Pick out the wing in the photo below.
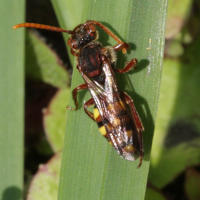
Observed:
{"x":119,"y":127}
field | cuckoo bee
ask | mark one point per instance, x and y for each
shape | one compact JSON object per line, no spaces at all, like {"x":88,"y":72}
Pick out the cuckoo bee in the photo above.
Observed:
{"x":114,"y":111}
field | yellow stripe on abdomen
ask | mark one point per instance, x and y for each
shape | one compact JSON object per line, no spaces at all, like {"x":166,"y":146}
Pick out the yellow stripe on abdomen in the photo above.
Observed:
{"x":96,"y":113}
{"x":97,"y":118}
{"x":103,"y":130}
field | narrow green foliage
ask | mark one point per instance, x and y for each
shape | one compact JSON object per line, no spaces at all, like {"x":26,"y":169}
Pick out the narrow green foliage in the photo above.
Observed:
{"x":91,"y":169}
{"x":11,"y":100}
{"x":69,"y":14}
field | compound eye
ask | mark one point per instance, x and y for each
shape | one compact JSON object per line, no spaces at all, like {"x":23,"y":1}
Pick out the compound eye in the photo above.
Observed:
{"x":92,"y":29}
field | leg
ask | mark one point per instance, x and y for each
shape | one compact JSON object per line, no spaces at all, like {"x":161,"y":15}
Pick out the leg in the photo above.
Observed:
{"x":141,"y":157}
{"x":130,"y":65}
{"x":120,"y":46}
{"x":74,"y":93}
{"x":136,"y":117}
{"x":73,"y":52}
{"x":138,"y":124}
{"x":89,"y":103}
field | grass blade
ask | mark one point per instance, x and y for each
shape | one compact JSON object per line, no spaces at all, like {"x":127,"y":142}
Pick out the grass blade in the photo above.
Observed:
{"x":11,"y":100}
{"x":90,"y":167}
{"x":69,"y":14}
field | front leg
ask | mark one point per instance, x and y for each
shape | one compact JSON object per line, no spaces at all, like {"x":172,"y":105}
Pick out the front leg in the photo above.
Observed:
{"x":129,"y":66}
{"x":120,"y":46}
{"x":74,"y":93}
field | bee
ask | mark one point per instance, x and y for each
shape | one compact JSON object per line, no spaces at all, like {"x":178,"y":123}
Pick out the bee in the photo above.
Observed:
{"x":114,"y":111}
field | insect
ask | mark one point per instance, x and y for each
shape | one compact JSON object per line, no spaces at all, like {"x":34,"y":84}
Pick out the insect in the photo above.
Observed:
{"x":114,"y":111}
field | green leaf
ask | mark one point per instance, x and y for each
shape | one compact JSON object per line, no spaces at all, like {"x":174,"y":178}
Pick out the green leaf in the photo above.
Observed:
{"x":152,"y":194}
{"x":192,"y":184}
{"x":172,"y":162}
{"x":45,"y":183}
{"x":178,"y":12}
{"x":43,"y":64}
{"x":54,"y":119}
{"x":91,"y":169}
{"x":69,"y":13}
{"x":11,"y":100}
{"x":177,"y":130}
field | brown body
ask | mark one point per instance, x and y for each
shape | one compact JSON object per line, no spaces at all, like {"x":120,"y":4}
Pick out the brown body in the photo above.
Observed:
{"x":114,"y":111}
{"x":112,"y":114}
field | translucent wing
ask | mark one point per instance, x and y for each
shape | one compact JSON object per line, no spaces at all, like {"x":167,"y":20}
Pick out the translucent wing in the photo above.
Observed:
{"x":120,"y":129}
